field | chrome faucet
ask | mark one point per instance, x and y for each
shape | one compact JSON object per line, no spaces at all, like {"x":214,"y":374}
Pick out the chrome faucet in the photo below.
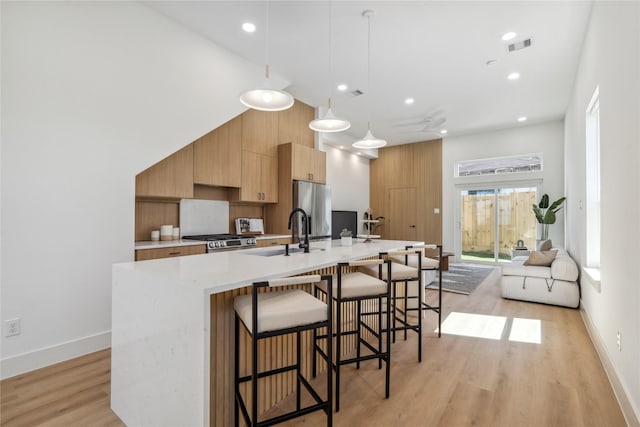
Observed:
{"x":305,"y":222}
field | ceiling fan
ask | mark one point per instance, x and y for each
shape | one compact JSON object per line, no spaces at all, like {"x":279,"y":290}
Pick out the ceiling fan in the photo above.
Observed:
{"x":429,"y":124}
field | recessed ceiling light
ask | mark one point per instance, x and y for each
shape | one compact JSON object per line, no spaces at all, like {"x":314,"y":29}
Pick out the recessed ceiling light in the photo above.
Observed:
{"x":248,"y":27}
{"x":513,"y":76}
{"x":508,"y":36}
{"x":409,"y":101}
{"x":342,"y":87}
{"x":443,"y":131}
{"x":342,"y":147}
{"x":522,"y":119}
{"x":358,"y":153}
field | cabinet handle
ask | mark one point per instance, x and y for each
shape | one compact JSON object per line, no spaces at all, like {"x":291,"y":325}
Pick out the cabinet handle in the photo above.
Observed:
{"x":174,"y":253}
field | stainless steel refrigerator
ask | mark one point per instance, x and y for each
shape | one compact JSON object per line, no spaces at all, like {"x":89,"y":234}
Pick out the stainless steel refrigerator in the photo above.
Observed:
{"x":315,"y":200}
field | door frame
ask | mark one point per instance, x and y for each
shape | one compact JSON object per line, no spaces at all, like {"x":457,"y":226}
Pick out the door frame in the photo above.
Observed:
{"x":489,"y":185}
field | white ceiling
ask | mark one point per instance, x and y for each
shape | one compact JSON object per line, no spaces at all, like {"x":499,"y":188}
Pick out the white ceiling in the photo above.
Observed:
{"x":435,"y":52}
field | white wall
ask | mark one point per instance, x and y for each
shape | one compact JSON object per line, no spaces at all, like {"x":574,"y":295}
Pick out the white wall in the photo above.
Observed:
{"x":348,"y":175}
{"x":546,"y":138}
{"x":92,"y":93}
{"x":610,"y":59}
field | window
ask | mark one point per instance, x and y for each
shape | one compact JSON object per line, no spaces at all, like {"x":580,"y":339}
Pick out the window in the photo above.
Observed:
{"x":501,"y":165}
{"x":593,"y":180}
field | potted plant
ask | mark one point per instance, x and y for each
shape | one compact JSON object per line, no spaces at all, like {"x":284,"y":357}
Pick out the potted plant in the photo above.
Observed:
{"x":346,"y":238}
{"x":546,"y":214}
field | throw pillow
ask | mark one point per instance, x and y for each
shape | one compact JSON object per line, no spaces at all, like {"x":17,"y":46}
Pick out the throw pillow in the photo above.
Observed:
{"x":545,"y":246}
{"x":541,"y":259}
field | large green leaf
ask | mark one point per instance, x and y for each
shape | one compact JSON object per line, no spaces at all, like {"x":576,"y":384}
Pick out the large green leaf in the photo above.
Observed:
{"x":549,"y":217}
{"x":555,"y":206}
{"x":544,"y":202}
{"x":538,"y":212}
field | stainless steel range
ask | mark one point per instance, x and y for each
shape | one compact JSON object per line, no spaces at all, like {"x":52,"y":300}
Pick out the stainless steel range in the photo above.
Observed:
{"x":219,"y":242}
{"x":208,"y":220}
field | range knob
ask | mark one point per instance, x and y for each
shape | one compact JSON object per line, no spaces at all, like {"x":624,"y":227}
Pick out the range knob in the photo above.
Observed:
{"x":223,"y":244}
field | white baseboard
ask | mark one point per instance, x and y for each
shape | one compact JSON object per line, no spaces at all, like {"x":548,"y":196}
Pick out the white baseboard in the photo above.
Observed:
{"x":21,"y":363}
{"x":626,"y":406}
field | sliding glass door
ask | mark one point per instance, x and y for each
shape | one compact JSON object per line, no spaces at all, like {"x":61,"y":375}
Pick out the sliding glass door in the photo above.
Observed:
{"x":494,"y":220}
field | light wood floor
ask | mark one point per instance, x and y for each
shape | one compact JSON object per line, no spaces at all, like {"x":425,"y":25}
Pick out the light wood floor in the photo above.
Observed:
{"x":462,"y":380}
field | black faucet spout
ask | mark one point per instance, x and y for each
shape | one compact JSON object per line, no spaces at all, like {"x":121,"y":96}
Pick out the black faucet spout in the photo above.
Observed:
{"x":305,"y":222}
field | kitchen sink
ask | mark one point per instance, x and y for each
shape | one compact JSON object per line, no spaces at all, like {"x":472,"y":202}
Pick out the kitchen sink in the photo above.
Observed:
{"x":280,"y":251}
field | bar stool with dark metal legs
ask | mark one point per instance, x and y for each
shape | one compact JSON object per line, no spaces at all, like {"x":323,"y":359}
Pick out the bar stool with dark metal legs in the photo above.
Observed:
{"x":403,"y":302}
{"x":271,"y":314}
{"x":356,"y":287}
{"x":428,"y":264}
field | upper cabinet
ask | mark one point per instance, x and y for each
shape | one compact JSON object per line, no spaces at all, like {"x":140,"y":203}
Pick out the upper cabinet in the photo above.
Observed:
{"x":307,"y":164}
{"x":217,"y":156}
{"x":259,"y":179}
{"x":293,"y":125}
{"x":260,"y":132}
{"x":169,"y":178}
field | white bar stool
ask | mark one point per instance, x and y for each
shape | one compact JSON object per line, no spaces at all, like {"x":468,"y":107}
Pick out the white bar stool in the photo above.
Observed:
{"x":276,"y":313}
{"x":358,"y":287}
{"x":428,"y":264}
{"x":409,"y":277}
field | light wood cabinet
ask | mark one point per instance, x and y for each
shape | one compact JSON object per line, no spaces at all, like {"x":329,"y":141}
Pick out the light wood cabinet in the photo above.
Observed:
{"x":169,"y":178}
{"x":308,"y":164}
{"x":260,"y":132}
{"x":262,"y":243}
{"x":145,"y":254}
{"x":217,"y":156}
{"x":293,"y":125}
{"x":292,"y":159}
{"x":259,"y":178}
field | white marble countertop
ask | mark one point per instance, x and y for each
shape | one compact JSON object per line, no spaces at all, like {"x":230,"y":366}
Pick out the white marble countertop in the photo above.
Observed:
{"x":161,"y":320}
{"x":222,"y":271}
{"x":148,"y":244}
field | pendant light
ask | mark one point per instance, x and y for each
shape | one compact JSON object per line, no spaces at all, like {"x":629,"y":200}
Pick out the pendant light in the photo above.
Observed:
{"x":266,"y":97}
{"x":329,"y":123}
{"x":369,"y":141}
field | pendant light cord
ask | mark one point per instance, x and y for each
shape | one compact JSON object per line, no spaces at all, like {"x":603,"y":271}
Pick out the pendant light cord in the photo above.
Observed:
{"x":369,"y":64}
{"x":266,"y":39}
{"x":330,"y":63}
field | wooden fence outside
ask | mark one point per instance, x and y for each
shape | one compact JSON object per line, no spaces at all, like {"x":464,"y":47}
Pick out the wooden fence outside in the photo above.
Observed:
{"x":516,"y":222}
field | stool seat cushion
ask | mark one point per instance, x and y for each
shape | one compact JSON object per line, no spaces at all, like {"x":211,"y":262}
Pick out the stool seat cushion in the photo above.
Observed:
{"x":356,"y":285}
{"x":281,"y":310}
{"x":398,"y":271}
{"x":412,"y":261}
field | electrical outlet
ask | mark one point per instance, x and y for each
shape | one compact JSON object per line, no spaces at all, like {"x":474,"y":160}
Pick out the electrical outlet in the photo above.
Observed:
{"x":619,"y":341}
{"x":13,"y":327}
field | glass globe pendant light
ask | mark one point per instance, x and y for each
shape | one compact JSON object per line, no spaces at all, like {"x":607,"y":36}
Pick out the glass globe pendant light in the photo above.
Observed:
{"x":329,"y":123}
{"x":266,"y":97}
{"x":369,"y":141}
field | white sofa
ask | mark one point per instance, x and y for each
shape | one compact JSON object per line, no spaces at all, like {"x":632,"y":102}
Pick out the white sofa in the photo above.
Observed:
{"x":556,"y":285}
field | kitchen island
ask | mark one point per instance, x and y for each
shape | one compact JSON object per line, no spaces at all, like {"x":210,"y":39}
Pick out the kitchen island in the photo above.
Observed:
{"x":172,"y":324}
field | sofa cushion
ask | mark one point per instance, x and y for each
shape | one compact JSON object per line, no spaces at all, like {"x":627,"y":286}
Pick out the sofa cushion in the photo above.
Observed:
{"x":516,"y":268}
{"x":545,"y":246}
{"x":542,"y":258}
{"x":564,"y":267}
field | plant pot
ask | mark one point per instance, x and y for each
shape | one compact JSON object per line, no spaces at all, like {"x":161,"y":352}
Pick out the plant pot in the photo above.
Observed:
{"x":346,"y":241}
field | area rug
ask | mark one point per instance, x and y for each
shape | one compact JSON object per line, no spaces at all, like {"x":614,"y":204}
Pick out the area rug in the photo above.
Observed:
{"x":464,"y":278}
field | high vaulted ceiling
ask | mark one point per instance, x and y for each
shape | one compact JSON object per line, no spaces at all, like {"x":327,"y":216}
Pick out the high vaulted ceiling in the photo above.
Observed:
{"x":434,"y":52}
